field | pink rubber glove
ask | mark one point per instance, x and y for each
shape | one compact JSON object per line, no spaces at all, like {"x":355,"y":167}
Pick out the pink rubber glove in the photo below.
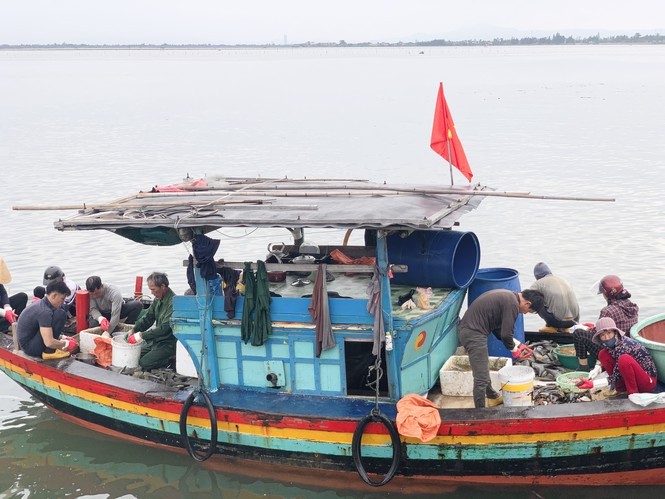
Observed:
{"x":135,"y":338}
{"x":71,"y":343}
{"x":10,"y":316}
{"x":104,"y":324}
{"x":584,"y":384}
{"x":522,"y":352}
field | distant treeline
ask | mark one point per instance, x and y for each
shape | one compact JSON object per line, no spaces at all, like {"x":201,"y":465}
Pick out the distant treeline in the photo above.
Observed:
{"x":556,"y":39}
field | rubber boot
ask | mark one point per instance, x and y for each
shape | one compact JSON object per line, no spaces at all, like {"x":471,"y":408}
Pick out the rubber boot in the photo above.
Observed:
{"x":479,"y":403}
{"x":57,"y":354}
{"x":493,"y":398}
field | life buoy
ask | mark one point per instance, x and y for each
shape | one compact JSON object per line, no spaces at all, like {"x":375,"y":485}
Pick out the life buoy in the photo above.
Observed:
{"x":356,"y":450}
{"x":213,"y":425}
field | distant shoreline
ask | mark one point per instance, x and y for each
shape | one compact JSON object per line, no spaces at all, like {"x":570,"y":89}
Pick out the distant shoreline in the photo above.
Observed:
{"x":555,"y":39}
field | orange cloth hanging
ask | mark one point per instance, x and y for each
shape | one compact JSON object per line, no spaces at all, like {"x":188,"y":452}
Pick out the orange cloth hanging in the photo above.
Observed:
{"x":417,"y":417}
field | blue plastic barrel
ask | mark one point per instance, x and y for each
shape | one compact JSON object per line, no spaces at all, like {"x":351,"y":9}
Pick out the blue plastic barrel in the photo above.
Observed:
{"x":497,"y":278}
{"x":440,"y":259}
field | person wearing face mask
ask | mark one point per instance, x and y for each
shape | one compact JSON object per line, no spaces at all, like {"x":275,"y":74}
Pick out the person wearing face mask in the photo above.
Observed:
{"x":627,"y":362}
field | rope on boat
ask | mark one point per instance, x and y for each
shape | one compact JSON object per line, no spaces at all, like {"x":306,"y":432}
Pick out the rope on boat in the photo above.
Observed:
{"x":213,"y":425}
{"x":200,"y":389}
{"x":376,"y":416}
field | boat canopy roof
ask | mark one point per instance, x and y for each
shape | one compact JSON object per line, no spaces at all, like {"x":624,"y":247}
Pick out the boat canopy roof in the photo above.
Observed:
{"x":156,"y":216}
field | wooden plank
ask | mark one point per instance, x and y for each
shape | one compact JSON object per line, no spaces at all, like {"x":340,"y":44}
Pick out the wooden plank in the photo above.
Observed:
{"x":308,"y":267}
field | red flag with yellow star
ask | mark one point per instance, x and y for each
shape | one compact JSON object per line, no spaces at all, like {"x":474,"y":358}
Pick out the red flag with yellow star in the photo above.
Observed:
{"x":445,"y":141}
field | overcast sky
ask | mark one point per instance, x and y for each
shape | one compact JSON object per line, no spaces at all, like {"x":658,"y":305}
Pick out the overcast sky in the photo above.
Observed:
{"x":298,"y":21}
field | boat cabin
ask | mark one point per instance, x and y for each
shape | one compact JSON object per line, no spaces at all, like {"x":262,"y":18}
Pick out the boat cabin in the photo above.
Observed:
{"x":410,"y":243}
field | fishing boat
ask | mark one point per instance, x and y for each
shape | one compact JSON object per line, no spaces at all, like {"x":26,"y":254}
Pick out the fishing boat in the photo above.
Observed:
{"x":294,"y":394}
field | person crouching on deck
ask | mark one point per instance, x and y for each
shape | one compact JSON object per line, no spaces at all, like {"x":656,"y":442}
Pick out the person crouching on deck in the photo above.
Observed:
{"x":561,"y":310}
{"x":619,"y":308}
{"x":494,"y":312}
{"x":107,"y":308}
{"x":627,"y":362}
{"x":158,"y":342}
{"x":41,"y":323}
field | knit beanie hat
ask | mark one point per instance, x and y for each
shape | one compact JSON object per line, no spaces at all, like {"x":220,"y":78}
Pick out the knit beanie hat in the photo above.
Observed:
{"x":541,"y":270}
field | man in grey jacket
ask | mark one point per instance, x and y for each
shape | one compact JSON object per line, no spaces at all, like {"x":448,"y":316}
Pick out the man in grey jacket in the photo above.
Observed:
{"x":107,"y":308}
{"x":561,"y":310}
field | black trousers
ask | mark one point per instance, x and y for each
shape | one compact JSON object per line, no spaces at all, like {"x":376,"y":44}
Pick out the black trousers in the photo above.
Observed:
{"x":18,"y":302}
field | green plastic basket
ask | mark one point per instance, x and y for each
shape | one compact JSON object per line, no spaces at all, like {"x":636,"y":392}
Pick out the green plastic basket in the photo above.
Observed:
{"x":566,"y":381}
{"x":567,"y":360}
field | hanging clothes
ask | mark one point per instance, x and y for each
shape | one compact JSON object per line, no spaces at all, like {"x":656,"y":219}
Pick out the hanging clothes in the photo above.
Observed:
{"x":320,"y":311}
{"x":204,"y":249}
{"x":374,"y":308}
{"x":247,"y":325}
{"x":262,"y":325}
{"x":191,"y":279}
{"x":230,"y":279}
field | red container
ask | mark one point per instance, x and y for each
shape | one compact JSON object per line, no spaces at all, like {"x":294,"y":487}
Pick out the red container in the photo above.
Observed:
{"x":82,"y":309}
{"x":138,"y":287}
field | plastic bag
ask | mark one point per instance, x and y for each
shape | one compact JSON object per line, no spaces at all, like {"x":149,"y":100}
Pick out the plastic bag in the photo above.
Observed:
{"x":644,"y":399}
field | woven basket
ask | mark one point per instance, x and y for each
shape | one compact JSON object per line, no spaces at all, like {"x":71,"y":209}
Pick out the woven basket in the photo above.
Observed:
{"x":566,"y":381}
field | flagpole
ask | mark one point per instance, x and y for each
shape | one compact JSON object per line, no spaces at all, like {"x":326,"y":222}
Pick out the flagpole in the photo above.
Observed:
{"x":450,"y":163}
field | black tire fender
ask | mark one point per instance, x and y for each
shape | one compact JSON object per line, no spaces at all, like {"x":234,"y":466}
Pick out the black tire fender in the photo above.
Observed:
{"x":213,"y":425}
{"x":356,"y":451}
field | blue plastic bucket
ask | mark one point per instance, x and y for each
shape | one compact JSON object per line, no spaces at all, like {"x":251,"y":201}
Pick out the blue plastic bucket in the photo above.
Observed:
{"x":497,"y":278}
{"x":440,"y":259}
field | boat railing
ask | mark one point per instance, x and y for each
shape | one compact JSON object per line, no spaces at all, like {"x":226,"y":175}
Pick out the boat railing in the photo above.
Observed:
{"x":312,"y":267}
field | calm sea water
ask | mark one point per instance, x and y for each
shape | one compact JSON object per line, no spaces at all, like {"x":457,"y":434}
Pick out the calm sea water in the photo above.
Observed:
{"x":87,"y":126}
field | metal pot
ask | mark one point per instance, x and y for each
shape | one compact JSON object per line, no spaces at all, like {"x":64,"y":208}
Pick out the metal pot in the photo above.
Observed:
{"x":302,"y":259}
{"x":276,"y":276}
{"x":87,"y":358}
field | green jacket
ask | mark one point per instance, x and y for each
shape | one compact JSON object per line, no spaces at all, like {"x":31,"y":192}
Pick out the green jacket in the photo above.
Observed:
{"x":159,"y":313}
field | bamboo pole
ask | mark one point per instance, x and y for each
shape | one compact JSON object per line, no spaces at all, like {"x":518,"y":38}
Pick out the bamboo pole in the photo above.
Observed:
{"x":403,"y":192}
{"x":234,"y":203}
{"x":279,"y":190}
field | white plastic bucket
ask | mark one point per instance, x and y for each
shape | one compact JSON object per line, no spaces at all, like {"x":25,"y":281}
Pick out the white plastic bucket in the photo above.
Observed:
{"x":517,"y":385}
{"x":124,"y":354}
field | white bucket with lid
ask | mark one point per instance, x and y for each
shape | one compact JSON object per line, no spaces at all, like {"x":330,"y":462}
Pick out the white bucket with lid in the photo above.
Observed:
{"x":517,"y":385}
{"x":124,"y":354}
